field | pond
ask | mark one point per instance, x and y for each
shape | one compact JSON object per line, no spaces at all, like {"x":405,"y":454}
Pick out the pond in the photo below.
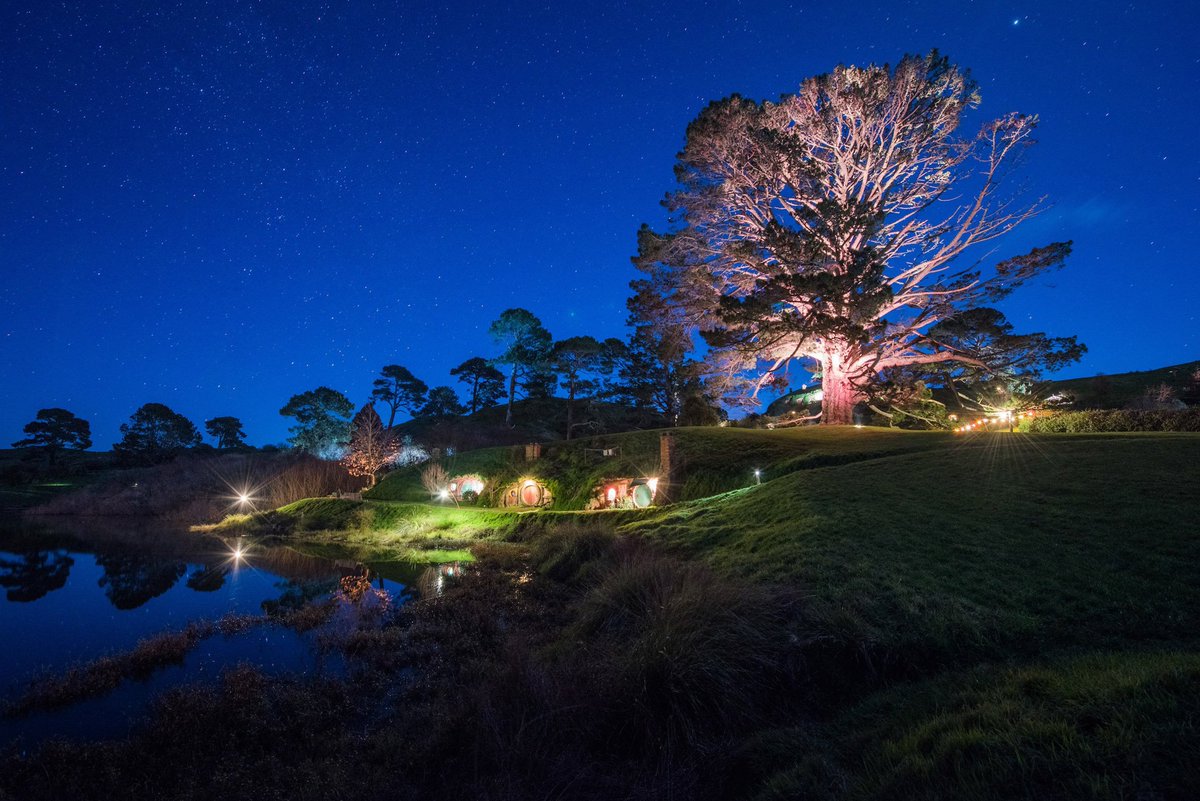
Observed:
{"x":72,"y":593}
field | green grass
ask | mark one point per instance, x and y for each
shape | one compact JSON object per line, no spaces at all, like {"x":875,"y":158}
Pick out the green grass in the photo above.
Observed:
{"x":997,"y":544}
{"x":377,"y":531}
{"x":1095,"y":726}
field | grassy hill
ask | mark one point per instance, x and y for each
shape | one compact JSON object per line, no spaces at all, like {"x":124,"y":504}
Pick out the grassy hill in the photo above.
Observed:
{"x":992,"y":545}
{"x":1117,"y":390}
{"x":710,"y":460}
{"x":997,"y":616}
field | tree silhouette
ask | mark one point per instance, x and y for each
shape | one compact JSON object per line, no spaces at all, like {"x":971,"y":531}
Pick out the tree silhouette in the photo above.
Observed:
{"x":526,"y":348}
{"x":54,"y":430}
{"x":576,"y":360}
{"x":154,"y":434}
{"x":399,"y":389}
{"x":227,"y":431}
{"x":442,"y":402}
{"x":34,"y":575}
{"x":485,"y":381}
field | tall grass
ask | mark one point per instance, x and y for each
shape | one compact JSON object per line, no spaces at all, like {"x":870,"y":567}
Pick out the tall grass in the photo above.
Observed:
{"x":204,"y":488}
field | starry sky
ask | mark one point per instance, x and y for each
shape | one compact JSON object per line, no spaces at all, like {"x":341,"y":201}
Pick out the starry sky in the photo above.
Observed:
{"x":215,"y":205}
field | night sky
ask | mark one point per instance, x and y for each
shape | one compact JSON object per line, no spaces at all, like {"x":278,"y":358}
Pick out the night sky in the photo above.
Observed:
{"x":217,"y":205}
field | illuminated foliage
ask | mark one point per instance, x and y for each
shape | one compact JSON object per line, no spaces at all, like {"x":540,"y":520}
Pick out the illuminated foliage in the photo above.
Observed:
{"x":838,"y":225}
{"x":322,"y":420}
{"x":371,"y":445}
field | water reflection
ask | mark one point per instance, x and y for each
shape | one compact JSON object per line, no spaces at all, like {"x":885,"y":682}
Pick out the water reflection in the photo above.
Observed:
{"x":131,"y":579}
{"x":77,"y":592}
{"x":30,"y":576}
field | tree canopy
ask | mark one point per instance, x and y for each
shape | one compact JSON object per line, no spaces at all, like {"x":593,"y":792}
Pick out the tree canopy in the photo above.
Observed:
{"x":397,"y":388}
{"x":836,"y":226}
{"x":525,"y":345}
{"x":54,"y":430}
{"x":485,"y":381}
{"x":322,"y":421}
{"x":154,"y":434}
{"x":227,"y":431}
{"x":442,"y":402}
{"x":577,"y":362}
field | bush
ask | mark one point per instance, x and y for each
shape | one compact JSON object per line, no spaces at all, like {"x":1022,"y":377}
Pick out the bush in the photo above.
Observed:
{"x":1114,"y":420}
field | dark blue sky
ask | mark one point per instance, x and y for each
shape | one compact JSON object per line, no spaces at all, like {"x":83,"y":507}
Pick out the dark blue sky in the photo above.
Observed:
{"x":216,"y":205}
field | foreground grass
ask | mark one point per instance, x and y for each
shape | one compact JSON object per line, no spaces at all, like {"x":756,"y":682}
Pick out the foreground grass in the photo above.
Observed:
{"x":376,"y":530}
{"x":1096,"y":726}
{"x":1001,"y":544}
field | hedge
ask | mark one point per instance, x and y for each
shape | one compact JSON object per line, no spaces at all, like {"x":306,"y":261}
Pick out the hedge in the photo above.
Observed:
{"x":1107,"y":420}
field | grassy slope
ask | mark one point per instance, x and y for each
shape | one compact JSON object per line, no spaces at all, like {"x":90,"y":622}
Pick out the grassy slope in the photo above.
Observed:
{"x":1000,"y":542}
{"x":1047,"y":587}
{"x":1031,"y":602}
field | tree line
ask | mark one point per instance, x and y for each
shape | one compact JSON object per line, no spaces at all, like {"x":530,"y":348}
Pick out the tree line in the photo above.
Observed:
{"x":649,"y":370}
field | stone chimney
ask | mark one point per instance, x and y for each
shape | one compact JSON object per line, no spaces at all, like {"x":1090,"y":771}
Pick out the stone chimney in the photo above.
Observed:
{"x":533,"y":451}
{"x":667,"y":466}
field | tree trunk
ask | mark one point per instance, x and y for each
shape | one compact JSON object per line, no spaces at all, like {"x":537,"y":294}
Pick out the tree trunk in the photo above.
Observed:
{"x":838,"y":394}
{"x":512,"y":391}
{"x":570,"y":408}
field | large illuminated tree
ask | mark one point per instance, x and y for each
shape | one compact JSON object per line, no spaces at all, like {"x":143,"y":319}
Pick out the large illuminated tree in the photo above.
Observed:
{"x":836,"y":227}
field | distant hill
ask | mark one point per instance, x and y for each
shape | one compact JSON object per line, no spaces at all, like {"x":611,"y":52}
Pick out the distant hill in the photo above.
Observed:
{"x":1117,"y":390}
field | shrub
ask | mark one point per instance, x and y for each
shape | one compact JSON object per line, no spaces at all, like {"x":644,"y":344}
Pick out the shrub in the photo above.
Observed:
{"x":1114,"y":420}
{"x":434,"y":478}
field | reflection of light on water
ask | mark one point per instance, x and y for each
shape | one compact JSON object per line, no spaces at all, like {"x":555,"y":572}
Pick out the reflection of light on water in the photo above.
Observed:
{"x":434,"y":579}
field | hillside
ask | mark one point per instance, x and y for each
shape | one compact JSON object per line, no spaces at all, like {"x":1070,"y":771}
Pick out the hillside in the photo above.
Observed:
{"x":1117,"y":390}
{"x":711,"y":460}
{"x":974,"y":613}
